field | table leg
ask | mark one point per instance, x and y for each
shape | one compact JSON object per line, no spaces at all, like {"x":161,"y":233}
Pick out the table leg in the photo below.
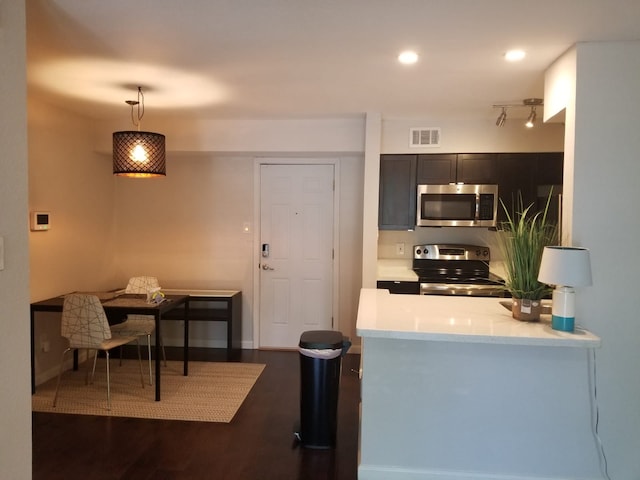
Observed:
{"x":185,"y":355}
{"x":229,"y":328}
{"x":33,"y":355}
{"x":158,"y":355}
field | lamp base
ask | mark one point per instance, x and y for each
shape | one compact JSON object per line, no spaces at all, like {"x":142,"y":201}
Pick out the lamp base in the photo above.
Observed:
{"x":564,"y":324}
{"x":563,"y":309}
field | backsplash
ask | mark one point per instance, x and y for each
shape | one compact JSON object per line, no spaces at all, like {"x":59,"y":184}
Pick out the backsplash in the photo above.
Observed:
{"x":388,"y":240}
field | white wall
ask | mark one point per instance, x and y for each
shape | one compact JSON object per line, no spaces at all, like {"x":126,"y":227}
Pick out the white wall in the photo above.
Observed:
{"x":606,"y":220}
{"x":292,"y":136}
{"x":15,"y":390}
{"x":560,"y":87}
{"x":435,"y":410}
{"x":76,"y":187}
{"x":473,"y":135}
{"x":370,"y":199}
{"x":187,"y":229}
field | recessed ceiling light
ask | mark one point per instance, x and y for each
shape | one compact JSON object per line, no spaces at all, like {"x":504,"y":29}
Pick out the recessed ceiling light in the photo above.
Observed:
{"x":408,"y":57}
{"x":514,"y":55}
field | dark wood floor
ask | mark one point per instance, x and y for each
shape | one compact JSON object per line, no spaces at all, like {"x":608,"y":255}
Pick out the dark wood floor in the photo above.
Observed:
{"x":257,"y":444}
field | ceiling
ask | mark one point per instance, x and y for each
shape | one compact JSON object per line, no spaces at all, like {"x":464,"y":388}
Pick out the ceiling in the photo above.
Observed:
{"x":306,"y":58}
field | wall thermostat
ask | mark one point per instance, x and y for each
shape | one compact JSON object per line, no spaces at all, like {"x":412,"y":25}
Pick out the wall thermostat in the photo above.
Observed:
{"x":40,"y":221}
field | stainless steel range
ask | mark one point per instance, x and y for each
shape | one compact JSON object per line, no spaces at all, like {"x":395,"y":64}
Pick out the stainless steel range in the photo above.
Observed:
{"x":451,"y":269}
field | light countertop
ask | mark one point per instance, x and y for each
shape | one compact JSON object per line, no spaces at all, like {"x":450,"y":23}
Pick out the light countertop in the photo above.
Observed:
{"x":396,"y":270}
{"x":457,"y":319}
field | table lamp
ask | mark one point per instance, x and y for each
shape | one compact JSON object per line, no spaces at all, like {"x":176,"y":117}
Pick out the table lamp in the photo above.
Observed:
{"x":565,"y":268}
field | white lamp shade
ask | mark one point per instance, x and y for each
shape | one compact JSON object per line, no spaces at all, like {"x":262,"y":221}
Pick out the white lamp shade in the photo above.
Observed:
{"x":568,"y":266}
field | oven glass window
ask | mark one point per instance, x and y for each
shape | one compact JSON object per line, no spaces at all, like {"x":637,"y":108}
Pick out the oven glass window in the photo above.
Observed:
{"x":448,"y":206}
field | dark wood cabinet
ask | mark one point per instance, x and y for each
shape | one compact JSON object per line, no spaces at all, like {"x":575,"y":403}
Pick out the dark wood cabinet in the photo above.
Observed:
{"x":479,"y":168}
{"x":532,"y":176}
{"x":550,"y":168}
{"x":406,"y":287}
{"x":397,"y":196}
{"x":439,"y":169}
{"x":436,"y":169}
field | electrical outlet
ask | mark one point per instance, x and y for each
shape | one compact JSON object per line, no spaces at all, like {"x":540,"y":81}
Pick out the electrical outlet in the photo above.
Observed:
{"x":400,"y":249}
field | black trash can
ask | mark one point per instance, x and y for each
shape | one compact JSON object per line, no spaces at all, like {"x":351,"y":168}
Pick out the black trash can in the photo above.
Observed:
{"x":321,"y":354}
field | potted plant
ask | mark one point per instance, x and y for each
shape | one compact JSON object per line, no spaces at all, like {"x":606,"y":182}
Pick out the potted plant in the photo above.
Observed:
{"x":522,"y":238}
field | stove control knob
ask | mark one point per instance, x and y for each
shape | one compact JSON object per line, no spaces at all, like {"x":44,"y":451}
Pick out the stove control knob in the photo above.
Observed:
{"x":418,"y":251}
{"x":485,"y":252}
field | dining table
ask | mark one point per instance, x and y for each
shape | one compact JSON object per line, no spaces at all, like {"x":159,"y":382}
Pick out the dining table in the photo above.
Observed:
{"x":117,"y":307}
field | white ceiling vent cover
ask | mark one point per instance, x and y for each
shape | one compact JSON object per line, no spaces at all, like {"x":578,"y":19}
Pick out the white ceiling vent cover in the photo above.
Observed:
{"x":424,"y":137}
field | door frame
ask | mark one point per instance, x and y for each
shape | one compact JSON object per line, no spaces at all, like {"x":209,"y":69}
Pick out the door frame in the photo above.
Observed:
{"x":257,"y":258}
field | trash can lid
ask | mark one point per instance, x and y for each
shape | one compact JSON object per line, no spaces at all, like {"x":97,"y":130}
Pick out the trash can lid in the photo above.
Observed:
{"x":321,"y":339}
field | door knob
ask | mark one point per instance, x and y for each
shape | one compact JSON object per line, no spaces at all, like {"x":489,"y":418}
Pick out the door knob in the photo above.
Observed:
{"x":267,"y":267}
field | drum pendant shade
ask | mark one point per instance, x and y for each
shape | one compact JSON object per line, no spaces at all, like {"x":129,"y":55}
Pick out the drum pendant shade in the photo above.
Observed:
{"x":138,"y":154}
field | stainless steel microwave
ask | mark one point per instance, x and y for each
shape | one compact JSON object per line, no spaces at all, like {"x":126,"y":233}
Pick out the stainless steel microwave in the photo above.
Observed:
{"x":457,"y":205}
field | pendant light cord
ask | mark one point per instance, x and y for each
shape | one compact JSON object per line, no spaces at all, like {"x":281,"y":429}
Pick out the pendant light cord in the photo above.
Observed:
{"x":140,"y":109}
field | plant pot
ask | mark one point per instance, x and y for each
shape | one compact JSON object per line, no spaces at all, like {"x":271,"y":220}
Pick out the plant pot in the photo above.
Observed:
{"x":526,"y":310}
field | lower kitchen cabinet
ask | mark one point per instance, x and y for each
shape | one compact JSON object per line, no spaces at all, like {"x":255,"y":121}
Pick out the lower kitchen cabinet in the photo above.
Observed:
{"x":412,"y":288}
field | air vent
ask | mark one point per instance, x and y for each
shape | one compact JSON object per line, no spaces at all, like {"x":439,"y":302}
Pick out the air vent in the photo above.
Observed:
{"x":424,"y":137}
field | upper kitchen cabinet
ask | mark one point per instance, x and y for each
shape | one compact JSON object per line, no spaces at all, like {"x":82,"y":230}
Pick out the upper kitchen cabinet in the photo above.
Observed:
{"x":550,"y":167}
{"x":397,"y":196}
{"x":532,"y":175}
{"x":436,"y":169}
{"x":478,"y":168}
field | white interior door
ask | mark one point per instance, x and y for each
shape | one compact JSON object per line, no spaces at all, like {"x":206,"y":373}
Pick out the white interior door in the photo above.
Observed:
{"x":296,"y":238}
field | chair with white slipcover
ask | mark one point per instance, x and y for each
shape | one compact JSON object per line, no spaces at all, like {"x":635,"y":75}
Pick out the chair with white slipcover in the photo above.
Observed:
{"x":141,"y":325}
{"x":85,"y":325}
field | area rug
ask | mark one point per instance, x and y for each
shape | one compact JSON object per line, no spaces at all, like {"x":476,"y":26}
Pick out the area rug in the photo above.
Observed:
{"x":213,"y":391}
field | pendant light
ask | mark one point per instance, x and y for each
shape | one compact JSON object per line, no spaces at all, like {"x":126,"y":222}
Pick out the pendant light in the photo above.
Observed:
{"x":136,"y":153}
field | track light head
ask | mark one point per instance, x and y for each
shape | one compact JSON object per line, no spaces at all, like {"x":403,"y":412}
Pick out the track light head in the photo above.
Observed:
{"x":531,"y":120}
{"x":502,"y":117}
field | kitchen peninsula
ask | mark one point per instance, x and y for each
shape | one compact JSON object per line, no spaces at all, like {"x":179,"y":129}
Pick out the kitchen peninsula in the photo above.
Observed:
{"x":455,"y":388}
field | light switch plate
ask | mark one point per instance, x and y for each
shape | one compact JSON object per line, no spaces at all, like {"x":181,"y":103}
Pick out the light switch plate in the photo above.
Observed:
{"x":1,"y":253}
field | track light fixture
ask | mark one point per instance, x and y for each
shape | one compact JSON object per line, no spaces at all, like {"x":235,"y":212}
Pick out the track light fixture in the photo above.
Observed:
{"x":531,"y":103}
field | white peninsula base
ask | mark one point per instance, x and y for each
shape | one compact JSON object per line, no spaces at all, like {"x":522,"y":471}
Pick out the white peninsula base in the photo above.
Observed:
{"x":495,"y":408}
